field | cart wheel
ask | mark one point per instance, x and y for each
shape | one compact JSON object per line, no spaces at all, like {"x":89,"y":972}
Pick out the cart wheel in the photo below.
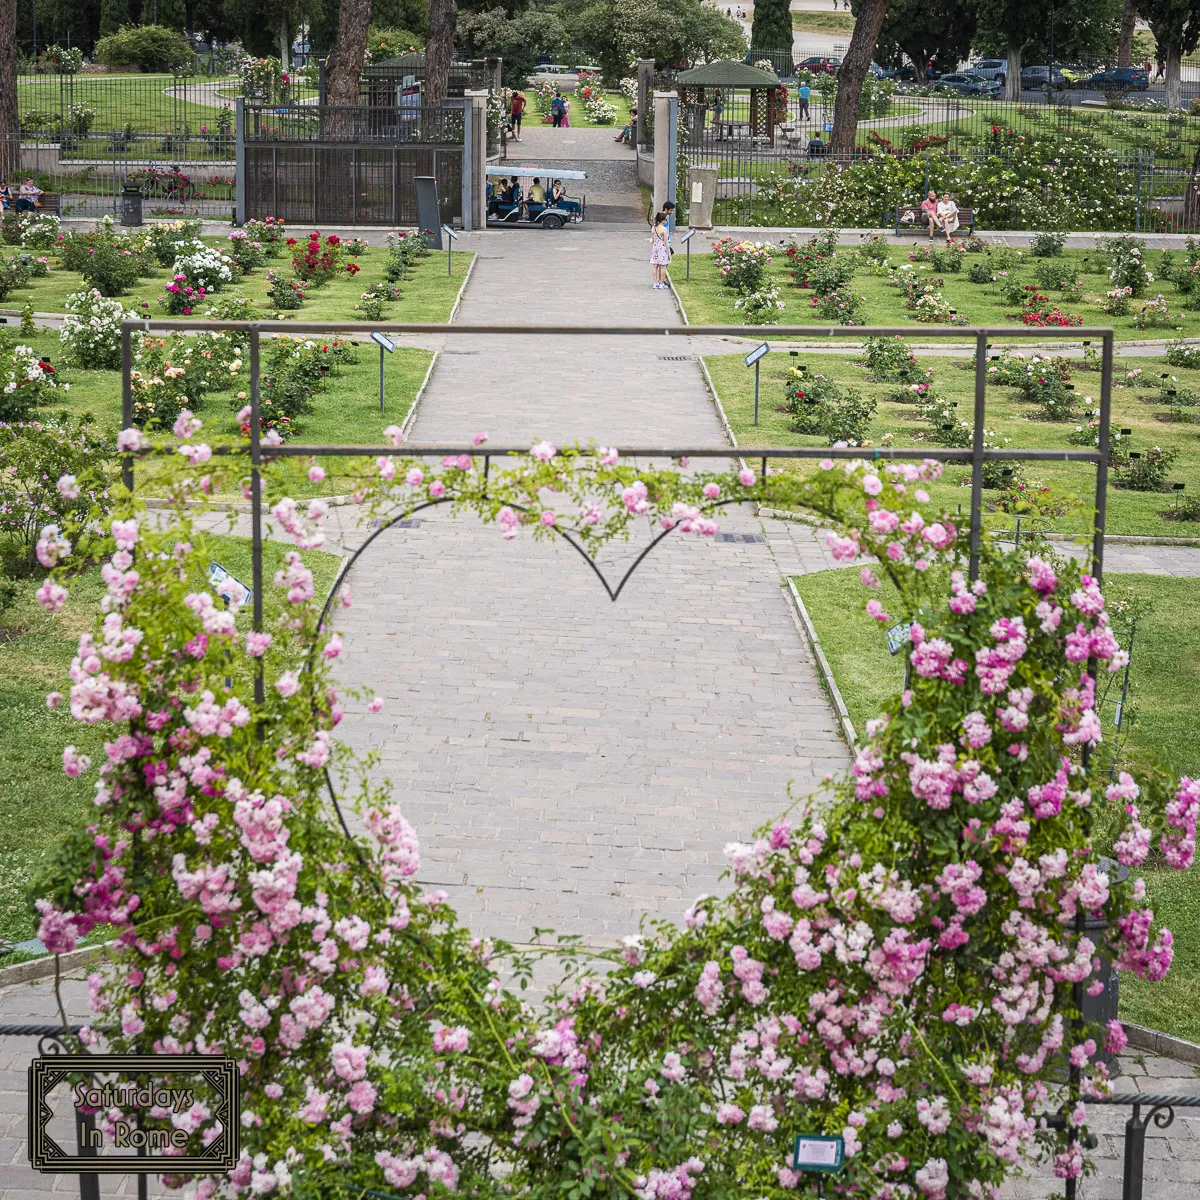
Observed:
{"x":552,"y":221}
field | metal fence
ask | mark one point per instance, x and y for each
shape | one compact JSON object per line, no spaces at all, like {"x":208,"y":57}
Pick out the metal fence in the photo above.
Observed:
{"x":320,"y":164}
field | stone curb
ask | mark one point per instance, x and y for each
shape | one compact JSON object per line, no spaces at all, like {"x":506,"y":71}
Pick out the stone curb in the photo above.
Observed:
{"x":823,"y":663}
{"x":1162,"y":1043}
{"x":41,"y":968}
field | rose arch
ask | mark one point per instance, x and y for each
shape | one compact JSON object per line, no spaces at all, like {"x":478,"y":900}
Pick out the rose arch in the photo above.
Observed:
{"x":903,"y":967}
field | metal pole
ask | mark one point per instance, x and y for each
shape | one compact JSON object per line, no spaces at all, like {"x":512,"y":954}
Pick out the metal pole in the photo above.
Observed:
{"x":1135,"y":1151}
{"x":381,"y":381}
{"x":1137,"y":220}
{"x":127,"y":398}
{"x":256,"y":539}
{"x":449,"y":259}
{"x":688,"y":244}
{"x":756,"y":391}
{"x":1106,"y":370}
{"x":977,"y":452}
{"x":85,"y":1127}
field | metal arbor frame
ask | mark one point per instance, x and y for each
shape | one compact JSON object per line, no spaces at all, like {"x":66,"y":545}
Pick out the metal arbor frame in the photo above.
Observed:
{"x":977,"y":455}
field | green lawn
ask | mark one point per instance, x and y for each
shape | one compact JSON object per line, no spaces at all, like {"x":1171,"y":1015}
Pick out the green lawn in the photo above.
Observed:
{"x":118,"y":100}
{"x":579,"y":115}
{"x":824,"y":22}
{"x":38,"y":802}
{"x":1165,"y":676}
{"x":1129,"y":512}
{"x":429,"y":294}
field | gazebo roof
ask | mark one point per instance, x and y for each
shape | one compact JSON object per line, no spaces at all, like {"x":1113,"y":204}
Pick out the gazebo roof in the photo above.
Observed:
{"x":727,"y":72}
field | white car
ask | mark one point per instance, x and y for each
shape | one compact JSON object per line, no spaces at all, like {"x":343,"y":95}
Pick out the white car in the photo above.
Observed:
{"x":991,"y":68}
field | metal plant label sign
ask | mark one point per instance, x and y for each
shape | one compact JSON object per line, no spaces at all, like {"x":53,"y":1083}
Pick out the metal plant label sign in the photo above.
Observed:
{"x":158,"y":1110}
{"x":818,"y":1152}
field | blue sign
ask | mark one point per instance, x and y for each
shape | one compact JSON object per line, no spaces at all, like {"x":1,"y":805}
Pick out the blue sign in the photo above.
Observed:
{"x":819,"y":1153}
{"x":897,"y":636}
{"x":828,"y":126}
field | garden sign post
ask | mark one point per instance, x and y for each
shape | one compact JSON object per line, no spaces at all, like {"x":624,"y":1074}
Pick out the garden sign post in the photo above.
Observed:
{"x":752,"y":360}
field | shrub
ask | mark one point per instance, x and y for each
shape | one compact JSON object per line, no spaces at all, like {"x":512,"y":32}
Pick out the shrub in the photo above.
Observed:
{"x":245,"y":252}
{"x":163,"y":238}
{"x":1117,"y":302}
{"x":1051,"y":273}
{"x":112,"y":268}
{"x":1046,"y":385}
{"x":180,"y":296}
{"x":315,"y":261}
{"x":159,"y":391}
{"x":805,"y":257}
{"x":40,"y":231}
{"x":1047,"y":245}
{"x":356,"y":247}
{"x":949,"y":260}
{"x":842,"y":305}
{"x":296,"y":369}
{"x":741,"y":265}
{"x":269,"y":231}
{"x":934,"y":309}
{"x":34,"y":456}
{"x":826,"y":409}
{"x":404,"y":250}
{"x":1126,"y":263}
{"x":1013,"y":291}
{"x":890,"y":359}
{"x":91,"y":330}
{"x":231,"y":308}
{"x":1181,"y":354}
{"x":371,"y":306}
{"x":1154,"y":315}
{"x":1145,"y":471}
{"x":761,"y":306}
{"x":831,"y":274}
{"x":26,"y":380}
{"x":205,"y":266}
{"x":149,"y":47}
{"x":980,"y":272}
{"x":284,"y":294}
{"x":873,"y":248}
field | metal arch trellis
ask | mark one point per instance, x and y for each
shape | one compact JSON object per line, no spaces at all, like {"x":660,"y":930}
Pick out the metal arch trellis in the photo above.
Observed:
{"x":977,"y":455}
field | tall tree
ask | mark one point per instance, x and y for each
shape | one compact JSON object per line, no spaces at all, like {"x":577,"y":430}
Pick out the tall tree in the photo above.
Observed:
{"x":869,"y":16}
{"x":439,"y":47}
{"x":343,"y":68}
{"x":772,"y":28}
{"x":1013,"y":22}
{"x":1176,"y":27}
{"x":1125,"y":38}
{"x":938,"y":31}
{"x":10,"y":121}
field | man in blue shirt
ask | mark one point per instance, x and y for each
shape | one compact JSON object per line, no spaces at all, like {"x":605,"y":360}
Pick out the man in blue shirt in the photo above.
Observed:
{"x":804,"y":93}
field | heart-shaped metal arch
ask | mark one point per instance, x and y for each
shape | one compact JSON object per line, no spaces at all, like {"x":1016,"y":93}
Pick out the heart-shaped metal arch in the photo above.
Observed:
{"x":407,"y":514}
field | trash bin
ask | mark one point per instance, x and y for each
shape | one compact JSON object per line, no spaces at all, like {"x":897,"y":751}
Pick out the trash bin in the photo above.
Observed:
{"x":131,"y":205}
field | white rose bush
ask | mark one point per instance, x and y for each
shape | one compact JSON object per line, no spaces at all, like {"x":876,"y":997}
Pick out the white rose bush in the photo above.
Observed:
{"x":898,"y":962}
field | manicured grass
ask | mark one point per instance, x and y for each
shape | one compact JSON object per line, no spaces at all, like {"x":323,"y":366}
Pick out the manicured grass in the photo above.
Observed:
{"x":1007,"y":416}
{"x":824,"y":22}
{"x":579,"y":115}
{"x":708,"y":301}
{"x":1164,"y":676}
{"x":429,"y":294}
{"x":137,"y":100}
{"x":38,"y":802}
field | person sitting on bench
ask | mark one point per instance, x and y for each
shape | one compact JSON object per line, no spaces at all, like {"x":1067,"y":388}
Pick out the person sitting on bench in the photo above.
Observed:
{"x":816,"y":146}
{"x":27,"y":198}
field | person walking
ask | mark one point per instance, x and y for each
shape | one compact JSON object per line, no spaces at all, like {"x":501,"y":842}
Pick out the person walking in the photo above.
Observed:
{"x":1162,"y":71}
{"x":660,"y":253}
{"x":516,"y":111}
{"x":566,"y":117}
{"x":804,"y":93}
{"x":557,"y":110}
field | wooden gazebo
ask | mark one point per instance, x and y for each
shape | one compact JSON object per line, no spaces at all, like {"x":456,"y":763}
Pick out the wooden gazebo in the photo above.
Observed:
{"x":728,"y":76}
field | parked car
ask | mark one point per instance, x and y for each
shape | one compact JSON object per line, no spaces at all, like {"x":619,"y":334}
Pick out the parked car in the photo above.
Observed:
{"x":1035,"y":79}
{"x":970,"y":85}
{"x":875,"y":70}
{"x":991,"y":68}
{"x":819,"y":66}
{"x":1133,"y":79}
{"x":907,"y":74}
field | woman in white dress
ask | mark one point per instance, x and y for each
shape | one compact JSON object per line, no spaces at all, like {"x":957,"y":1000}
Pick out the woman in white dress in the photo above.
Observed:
{"x":947,"y":215}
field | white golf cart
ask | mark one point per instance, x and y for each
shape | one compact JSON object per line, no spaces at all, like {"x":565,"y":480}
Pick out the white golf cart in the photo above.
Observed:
{"x":509,"y":202}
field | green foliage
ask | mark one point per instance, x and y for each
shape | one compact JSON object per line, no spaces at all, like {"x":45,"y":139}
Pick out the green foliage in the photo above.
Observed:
{"x":112,"y":268}
{"x":148,"y":47}
{"x":1047,"y":244}
{"x":33,"y":457}
{"x":285,"y":294}
{"x":772,"y":27}
{"x":1182,"y":354}
{"x":890,"y":359}
{"x":841,"y":305}
{"x":827,"y":409}
{"x":516,"y":40}
{"x":1146,"y":470}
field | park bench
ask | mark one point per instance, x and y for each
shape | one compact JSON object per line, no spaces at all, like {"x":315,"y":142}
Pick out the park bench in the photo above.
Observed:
{"x":47,"y":203}
{"x":909,"y":218}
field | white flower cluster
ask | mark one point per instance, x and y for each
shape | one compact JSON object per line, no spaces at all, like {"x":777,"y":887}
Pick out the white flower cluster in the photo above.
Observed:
{"x":26,"y":370}
{"x":204,"y":266}
{"x":91,"y":330}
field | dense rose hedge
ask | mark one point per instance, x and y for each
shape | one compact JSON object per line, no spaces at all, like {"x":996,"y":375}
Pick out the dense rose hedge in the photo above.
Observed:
{"x":895,"y":963}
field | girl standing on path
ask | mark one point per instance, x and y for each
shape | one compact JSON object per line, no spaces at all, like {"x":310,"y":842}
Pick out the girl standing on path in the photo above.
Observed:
{"x":660,"y":256}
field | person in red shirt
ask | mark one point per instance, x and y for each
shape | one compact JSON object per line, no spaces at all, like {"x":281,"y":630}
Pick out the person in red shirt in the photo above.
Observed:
{"x":929,"y":212}
{"x":516,"y":111}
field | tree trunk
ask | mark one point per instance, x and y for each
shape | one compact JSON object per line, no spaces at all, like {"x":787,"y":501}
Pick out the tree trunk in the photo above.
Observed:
{"x":10,"y":121}
{"x":1125,"y":39}
{"x":868,"y":22}
{"x":343,"y":68}
{"x":1191,"y":199}
{"x":439,"y":46}
{"x":284,"y":57}
{"x":1173,"y":90}
{"x":1012,"y":74}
